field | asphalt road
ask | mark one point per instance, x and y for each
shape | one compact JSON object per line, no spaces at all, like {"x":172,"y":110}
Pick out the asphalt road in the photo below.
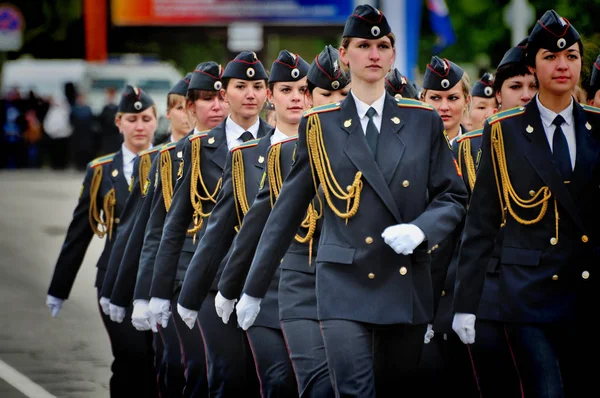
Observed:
{"x":68,"y":356}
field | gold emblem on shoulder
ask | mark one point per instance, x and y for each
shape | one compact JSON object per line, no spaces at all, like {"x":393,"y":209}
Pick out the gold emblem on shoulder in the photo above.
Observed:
{"x":211,"y":140}
{"x":115,"y":172}
{"x":261,"y":159}
{"x":395,"y":120}
{"x":529,"y":129}
{"x":588,"y":125}
{"x":180,"y":154}
{"x":348,"y":123}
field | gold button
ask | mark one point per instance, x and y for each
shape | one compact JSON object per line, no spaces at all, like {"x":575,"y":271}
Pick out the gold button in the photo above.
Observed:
{"x":369,"y":240}
{"x":532,"y":193}
{"x":553,"y":241}
{"x":443,"y":293}
{"x":403,"y":271}
{"x":117,"y":220}
{"x":584,"y":238}
{"x":405,"y":183}
{"x":554,"y":277}
{"x":585,"y":274}
{"x":371,"y":275}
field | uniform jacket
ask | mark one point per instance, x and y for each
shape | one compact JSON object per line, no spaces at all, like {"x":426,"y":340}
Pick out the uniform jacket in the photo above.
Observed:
{"x":80,"y":232}
{"x":412,"y":180}
{"x":541,"y":278}
{"x":213,"y":153}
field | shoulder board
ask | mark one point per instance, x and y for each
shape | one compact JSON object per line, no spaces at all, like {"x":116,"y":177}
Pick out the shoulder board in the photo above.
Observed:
{"x":247,"y":144}
{"x":470,"y":134}
{"x":149,"y":151}
{"x":102,"y":160}
{"x":413,"y":103}
{"x":201,"y":134}
{"x":334,"y":106}
{"x":589,"y":108}
{"x":168,"y":147}
{"x":506,"y":114}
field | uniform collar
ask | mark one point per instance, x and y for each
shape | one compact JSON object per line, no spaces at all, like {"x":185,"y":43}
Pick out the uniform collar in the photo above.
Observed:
{"x":362,"y":108}
{"x":548,"y":116}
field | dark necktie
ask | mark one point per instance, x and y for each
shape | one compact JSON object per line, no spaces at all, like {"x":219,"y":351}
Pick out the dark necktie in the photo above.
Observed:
{"x":372,"y":134}
{"x":246,"y":136}
{"x":560,"y":149}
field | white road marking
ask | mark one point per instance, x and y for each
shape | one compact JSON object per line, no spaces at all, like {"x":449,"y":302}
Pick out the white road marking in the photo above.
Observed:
{"x":22,"y":382}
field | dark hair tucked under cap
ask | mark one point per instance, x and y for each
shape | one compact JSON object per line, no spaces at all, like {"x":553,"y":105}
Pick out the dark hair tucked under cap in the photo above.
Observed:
{"x":325,"y":70}
{"x":484,"y":87}
{"x":594,"y":83}
{"x":181,"y":87}
{"x":134,"y":100}
{"x":366,"y":22}
{"x":551,"y":32}
{"x":441,"y":74}
{"x":515,"y":54}
{"x":245,"y":66}
{"x":397,"y":84}
{"x":206,"y":76}
{"x":288,"y":67}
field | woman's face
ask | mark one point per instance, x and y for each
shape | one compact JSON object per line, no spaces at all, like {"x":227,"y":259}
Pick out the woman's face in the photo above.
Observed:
{"x":178,"y":116}
{"x":369,"y":60}
{"x":450,"y":104}
{"x":289,"y":99}
{"x":138,"y":128}
{"x":557,"y":73}
{"x":245,"y":97}
{"x":481,"y":109}
{"x":209,"y":110}
{"x":320,"y":96}
{"x":516,"y":91}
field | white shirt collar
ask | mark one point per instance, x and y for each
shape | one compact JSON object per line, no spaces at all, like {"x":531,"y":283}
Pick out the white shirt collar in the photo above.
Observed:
{"x":278,"y":136}
{"x":548,"y":116}
{"x":128,"y":156}
{"x":457,"y":135}
{"x":362,"y":108}
{"x":234,"y":131}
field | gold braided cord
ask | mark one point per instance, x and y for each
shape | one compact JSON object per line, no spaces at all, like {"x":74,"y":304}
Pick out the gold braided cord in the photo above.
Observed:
{"x":319,"y":163}
{"x":508,"y":193}
{"x":464,"y":153}
{"x":96,"y":222}
{"x":238,"y":183}
{"x":166,"y":176}
{"x":195,"y":196}
{"x":110,"y":201}
{"x":144,"y":170}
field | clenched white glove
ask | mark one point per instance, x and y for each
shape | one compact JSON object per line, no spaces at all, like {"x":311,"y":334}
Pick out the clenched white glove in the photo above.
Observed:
{"x":141,"y":317}
{"x":55,"y":304}
{"x":117,"y":314}
{"x":247,"y":310}
{"x":104,"y":304}
{"x":429,"y":333}
{"x":161,"y":310}
{"x":464,"y":326}
{"x":224,"y":307}
{"x":188,"y":316}
{"x":403,"y":238}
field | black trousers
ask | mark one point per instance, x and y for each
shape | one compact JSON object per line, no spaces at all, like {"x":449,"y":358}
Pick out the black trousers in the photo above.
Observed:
{"x":231,"y":372}
{"x":133,"y":371}
{"x":273,"y":364}
{"x":172,"y":368}
{"x":367,"y":360}
{"x":307,"y":352}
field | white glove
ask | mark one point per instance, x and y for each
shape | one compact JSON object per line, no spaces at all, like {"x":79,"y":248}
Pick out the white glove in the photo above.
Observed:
{"x":55,"y":304}
{"x":141,"y":318}
{"x":104,"y":304}
{"x":188,"y":316}
{"x":116,"y":313}
{"x":464,"y":326}
{"x":247,"y":310}
{"x":224,"y":307}
{"x":161,"y":310}
{"x":429,"y":333}
{"x":403,"y":238}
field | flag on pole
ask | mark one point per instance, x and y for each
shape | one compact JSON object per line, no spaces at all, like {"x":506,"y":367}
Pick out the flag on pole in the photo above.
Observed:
{"x":441,"y":25}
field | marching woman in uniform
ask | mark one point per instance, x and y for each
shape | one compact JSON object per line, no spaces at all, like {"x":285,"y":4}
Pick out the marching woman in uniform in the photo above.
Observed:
{"x":244,"y":172}
{"x":537,"y":182}
{"x":102,"y":198}
{"x":483,"y":101}
{"x":391,"y":192}
{"x":296,"y":273}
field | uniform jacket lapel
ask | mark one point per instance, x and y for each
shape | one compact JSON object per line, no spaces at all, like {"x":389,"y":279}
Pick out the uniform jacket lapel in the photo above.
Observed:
{"x":261,"y":153}
{"x":357,"y":150}
{"x":264,"y":128}
{"x":587,"y":151}
{"x":216,"y":145}
{"x":390,"y":147}
{"x":119,"y":182}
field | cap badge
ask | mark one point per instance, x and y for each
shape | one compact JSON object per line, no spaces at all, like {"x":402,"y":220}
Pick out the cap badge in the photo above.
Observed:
{"x":295,"y":73}
{"x":218,"y":85}
{"x":488,"y":91}
{"x":137,"y":105}
{"x":403,"y":80}
{"x":348,"y":123}
{"x":375,"y":31}
{"x":445,"y":83}
{"x":335,"y":84}
{"x":561,"y":43}
{"x":250,"y":72}
{"x":335,"y":66}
